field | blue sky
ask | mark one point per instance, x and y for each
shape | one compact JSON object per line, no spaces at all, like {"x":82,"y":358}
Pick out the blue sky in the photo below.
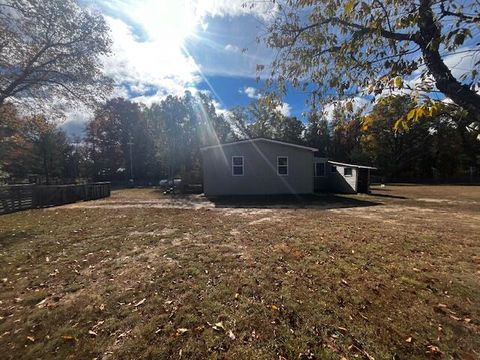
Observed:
{"x":163,"y":47}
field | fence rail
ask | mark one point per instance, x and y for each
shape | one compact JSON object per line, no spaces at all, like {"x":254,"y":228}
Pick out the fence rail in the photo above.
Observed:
{"x":20,"y":197}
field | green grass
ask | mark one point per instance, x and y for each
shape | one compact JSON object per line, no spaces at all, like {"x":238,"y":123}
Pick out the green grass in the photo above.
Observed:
{"x":300,"y":283}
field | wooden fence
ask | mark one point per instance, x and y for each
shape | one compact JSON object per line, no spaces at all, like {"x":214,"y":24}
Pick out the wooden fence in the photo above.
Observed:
{"x":20,"y":197}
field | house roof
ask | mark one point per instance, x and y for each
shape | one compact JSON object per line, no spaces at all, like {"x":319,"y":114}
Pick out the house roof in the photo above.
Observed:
{"x":261,"y":139}
{"x":351,"y":165}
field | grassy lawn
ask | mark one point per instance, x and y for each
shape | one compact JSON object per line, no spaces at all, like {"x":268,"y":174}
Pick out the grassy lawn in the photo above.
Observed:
{"x":392,"y":275}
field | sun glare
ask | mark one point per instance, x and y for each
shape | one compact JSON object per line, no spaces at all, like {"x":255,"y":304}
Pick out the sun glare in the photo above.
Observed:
{"x":168,"y":21}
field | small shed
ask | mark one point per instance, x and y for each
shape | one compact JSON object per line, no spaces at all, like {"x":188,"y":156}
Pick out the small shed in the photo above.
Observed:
{"x":341,"y":177}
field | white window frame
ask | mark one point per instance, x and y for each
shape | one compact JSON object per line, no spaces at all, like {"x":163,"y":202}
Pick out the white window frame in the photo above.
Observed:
{"x":243,"y":165}
{"x":345,"y":168}
{"x":324,"y":169}
{"x":278,"y":165}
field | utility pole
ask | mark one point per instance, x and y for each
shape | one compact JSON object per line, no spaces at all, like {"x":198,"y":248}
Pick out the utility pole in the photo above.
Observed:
{"x":130,"y":143}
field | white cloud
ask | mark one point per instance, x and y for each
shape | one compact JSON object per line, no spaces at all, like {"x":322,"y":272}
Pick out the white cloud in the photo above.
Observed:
{"x":264,"y":9}
{"x":149,"y":63}
{"x":285,"y":109}
{"x":149,"y":59}
{"x":251,"y":92}
{"x":76,"y":119}
{"x":232,"y":48}
{"x":358,"y":103}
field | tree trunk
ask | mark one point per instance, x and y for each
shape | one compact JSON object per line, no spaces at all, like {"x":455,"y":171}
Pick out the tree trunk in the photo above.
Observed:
{"x":45,"y":166}
{"x":429,"y":41}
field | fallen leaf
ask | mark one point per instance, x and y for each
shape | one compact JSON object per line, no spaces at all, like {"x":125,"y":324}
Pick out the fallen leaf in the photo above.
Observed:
{"x":31,"y":338}
{"x":102,"y":307}
{"x":181,"y":331}
{"x":433,"y":349}
{"x":274,"y":307}
{"x":218,"y":326}
{"x":42,"y":302}
{"x":409,"y":340}
{"x":140,"y":302}
{"x":344,"y":282}
{"x":68,"y":337}
{"x":231,"y":335}
{"x":200,"y":328}
{"x":92,"y":333}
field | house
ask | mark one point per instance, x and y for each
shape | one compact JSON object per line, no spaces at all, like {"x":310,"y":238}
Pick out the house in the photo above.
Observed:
{"x":263,"y":166}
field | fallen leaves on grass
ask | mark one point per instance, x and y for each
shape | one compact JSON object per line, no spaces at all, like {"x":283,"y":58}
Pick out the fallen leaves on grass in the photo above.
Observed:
{"x":140,"y":302}
{"x":181,"y":331}
{"x":218,"y":326}
{"x":41,"y":303}
{"x":433,"y":349}
{"x":31,"y":338}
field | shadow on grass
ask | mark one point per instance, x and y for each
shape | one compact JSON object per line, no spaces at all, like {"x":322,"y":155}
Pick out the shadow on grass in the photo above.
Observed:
{"x":314,"y":201}
{"x":374,"y":193}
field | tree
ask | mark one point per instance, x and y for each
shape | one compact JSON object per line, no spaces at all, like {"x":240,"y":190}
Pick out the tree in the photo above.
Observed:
{"x":50,"y":150}
{"x":373,"y":45}
{"x":117,"y":126}
{"x":399,"y":153}
{"x":346,"y":135}
{"x":180,"y":126}
{"x":51,"y":49}
{"x":317,"y":133}
{"x":262,"y":118}
{"x":32,"y":145}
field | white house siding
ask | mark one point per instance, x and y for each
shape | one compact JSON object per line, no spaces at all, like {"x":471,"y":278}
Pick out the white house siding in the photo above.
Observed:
{"x":340,"y":183}
{"x":260,"y":169}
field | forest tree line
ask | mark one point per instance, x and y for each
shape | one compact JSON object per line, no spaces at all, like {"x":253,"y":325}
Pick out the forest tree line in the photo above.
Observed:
{"x":126,"y":139}
{"x":51,"y":60}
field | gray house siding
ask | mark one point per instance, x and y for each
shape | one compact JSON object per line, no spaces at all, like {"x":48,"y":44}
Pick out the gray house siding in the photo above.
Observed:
{"x":260,"y":175}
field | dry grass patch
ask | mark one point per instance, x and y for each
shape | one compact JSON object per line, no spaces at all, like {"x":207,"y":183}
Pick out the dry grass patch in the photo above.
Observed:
{"x":398,"y":280}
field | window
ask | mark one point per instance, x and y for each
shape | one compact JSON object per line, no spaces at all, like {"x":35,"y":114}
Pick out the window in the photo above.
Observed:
{"x":347,"y":171}
{"x":282,"y":165}
{"x":237,"y":165}
{"x":319,"y":169}
{"x":333,"y":169}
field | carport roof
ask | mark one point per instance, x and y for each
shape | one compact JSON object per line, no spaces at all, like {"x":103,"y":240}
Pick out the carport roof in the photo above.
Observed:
{"x":261,"y":139}
{"x":352,"y":165}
